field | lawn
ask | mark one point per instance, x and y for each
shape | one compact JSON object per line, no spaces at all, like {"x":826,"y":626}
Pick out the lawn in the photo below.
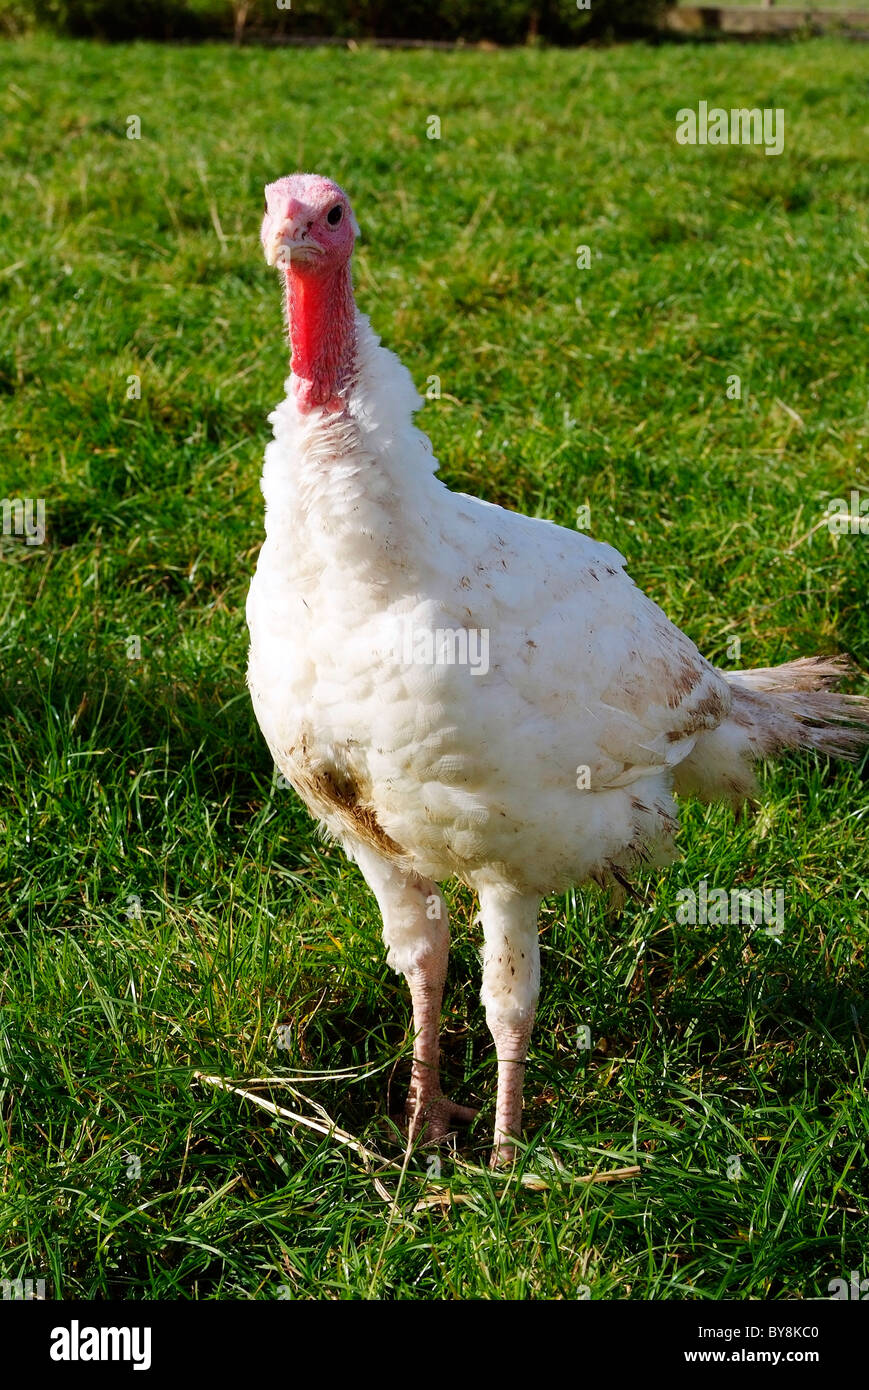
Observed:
{"x":167,"y":907}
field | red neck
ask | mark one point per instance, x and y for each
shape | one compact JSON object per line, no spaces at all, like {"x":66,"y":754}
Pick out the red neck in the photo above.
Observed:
{"x":322,"y":321}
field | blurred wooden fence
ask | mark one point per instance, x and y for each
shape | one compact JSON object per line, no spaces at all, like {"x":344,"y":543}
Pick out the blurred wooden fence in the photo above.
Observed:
{"x":765,"y":20}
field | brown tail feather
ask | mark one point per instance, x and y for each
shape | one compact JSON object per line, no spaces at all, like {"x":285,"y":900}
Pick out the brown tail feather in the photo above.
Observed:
{"x":775,"y":708}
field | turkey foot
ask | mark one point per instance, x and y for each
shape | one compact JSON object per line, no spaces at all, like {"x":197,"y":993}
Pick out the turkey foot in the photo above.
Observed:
{"x":434,"y":1118}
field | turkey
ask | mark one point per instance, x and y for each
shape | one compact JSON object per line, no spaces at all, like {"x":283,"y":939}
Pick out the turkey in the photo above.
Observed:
{"x":454,"y":689}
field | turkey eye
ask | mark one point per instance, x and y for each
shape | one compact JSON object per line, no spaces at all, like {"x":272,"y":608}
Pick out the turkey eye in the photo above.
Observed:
{"x":334,"y":215}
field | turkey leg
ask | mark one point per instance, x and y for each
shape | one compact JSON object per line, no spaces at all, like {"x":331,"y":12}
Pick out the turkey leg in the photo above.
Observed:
{"x":417,"y":936}
{"x":511,"y":984}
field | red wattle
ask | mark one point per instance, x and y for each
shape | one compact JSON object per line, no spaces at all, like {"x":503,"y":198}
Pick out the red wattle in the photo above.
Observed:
{"x":321,"y":314}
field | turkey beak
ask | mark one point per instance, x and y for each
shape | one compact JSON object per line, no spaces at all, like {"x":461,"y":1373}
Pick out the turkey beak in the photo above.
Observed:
{"x":290,"y":242}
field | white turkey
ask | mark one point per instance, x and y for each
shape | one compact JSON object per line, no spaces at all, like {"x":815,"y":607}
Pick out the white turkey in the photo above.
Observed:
{"x":456,"y":689}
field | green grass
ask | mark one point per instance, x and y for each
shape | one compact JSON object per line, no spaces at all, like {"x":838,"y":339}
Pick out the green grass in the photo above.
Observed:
{"x":165,"y":907}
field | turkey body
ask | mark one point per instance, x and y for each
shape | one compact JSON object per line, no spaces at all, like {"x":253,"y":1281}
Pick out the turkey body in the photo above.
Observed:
{"x":466,"y":690}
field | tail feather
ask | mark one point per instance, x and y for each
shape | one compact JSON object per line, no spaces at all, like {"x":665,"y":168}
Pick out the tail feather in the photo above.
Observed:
{"x":775,"y":708}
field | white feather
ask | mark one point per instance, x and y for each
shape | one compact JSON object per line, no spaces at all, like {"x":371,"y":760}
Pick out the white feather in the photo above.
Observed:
{"x":464,"y":771}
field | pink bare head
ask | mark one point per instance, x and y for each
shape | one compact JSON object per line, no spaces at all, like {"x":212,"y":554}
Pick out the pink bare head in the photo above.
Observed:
{"x":308,"y":225}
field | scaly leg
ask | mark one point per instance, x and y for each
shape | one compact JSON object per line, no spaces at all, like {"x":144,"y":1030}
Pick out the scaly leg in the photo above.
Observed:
{"x":417,"y":936}
{"x":511,"y":984}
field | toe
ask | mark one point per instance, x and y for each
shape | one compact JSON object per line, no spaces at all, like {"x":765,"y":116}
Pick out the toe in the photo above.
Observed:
{"x":437,"y":1117}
